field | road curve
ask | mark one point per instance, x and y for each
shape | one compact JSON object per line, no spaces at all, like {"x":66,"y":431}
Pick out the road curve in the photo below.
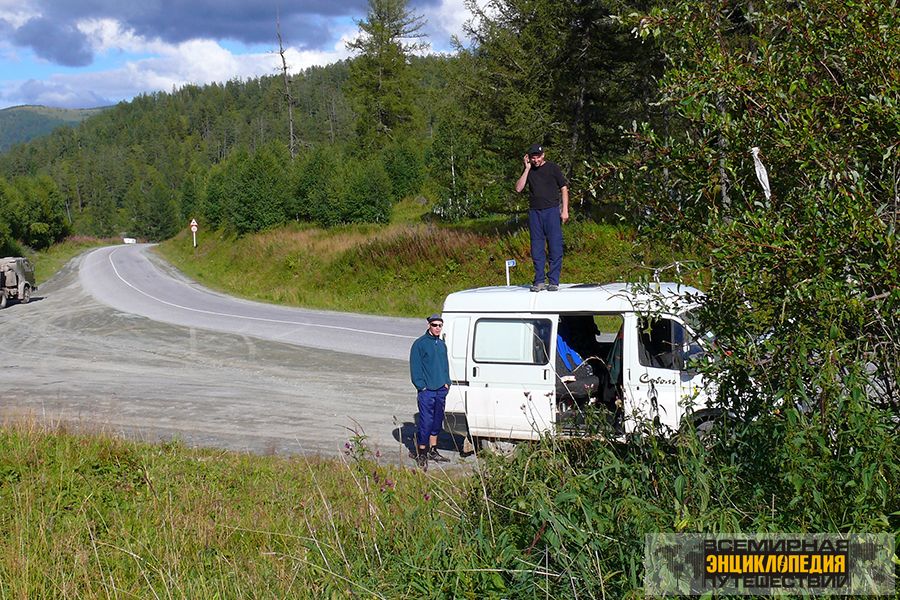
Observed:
{"x":133,"y":280}
{"x":119,"y":341}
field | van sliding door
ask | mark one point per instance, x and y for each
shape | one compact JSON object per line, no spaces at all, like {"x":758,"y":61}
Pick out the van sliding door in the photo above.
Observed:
{"x":511,"y":391}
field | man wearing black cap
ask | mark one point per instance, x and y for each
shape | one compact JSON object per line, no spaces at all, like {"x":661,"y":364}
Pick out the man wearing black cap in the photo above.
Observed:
{"x":546,"y":185}
{"x":430,"y":373}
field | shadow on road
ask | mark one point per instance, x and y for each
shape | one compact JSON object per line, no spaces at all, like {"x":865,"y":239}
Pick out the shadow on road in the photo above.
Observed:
{"x":406,"y":435}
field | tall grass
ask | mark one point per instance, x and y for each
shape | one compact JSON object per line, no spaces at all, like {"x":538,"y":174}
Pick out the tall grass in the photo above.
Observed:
{"x":94,"y":517}
{"x":401,"y":269}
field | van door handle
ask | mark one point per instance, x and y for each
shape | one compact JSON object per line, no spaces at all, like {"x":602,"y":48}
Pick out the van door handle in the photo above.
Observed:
{"x":474,"y":371}
{"x":546,"y":373}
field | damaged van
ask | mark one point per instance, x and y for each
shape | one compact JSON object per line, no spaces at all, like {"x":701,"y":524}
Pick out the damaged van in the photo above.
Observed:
{"x":525,"y":364}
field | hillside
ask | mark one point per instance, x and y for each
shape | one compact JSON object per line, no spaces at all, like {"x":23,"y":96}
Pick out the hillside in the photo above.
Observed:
{"x":23,"y":123}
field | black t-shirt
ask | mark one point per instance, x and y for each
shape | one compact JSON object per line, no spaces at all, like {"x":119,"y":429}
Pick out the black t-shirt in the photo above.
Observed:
{"x":544,"y":183}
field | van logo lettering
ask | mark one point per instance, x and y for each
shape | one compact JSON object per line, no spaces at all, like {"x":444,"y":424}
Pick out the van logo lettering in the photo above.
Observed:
{"x":656,"y":380}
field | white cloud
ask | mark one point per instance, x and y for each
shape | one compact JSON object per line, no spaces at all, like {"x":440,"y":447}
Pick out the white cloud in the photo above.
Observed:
{"x":148,"y":65}
{"x":450,"y":17}
{"x":108,"y":34}
{"x":16,"y":12}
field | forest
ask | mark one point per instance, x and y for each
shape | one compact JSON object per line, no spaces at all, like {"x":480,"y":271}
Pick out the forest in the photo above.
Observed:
{"x":761,"y":140}
{"x":342,"y":143}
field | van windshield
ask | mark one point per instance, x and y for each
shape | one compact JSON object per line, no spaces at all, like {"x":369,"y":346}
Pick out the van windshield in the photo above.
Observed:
{"x":700,"y":341}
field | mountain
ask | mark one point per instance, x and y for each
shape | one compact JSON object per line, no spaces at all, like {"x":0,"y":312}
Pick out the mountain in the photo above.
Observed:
{"x":22,"y":123}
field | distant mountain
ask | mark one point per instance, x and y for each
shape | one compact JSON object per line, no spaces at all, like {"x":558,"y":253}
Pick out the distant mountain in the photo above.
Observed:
{"x":22,"y":123}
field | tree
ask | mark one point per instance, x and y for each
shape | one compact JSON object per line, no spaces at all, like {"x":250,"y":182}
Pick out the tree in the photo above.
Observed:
{"x":380,"y":82}
{"x":150,"y":207}
{"x":564,"y":74}
{"x":804,"y":286}
{"x":37,"y":214}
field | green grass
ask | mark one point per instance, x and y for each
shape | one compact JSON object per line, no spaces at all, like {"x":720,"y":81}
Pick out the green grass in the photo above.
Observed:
{"x":86,"y":516}
{"x":402,"y":269}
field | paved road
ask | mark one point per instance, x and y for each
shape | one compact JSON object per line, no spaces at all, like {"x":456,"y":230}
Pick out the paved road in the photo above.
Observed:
{"x":119,"y":341}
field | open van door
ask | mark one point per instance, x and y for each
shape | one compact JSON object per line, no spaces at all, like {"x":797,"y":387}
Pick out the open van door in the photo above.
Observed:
{"x":512,"y":388}
{"x":655,"y":380}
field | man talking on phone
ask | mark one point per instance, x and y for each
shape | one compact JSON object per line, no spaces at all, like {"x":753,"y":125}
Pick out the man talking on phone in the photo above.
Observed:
{"x":548,"y":210}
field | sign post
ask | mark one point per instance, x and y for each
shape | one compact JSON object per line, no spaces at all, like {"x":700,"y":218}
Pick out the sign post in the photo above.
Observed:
{"x":194,"y":231}
{"x":509,"y":263}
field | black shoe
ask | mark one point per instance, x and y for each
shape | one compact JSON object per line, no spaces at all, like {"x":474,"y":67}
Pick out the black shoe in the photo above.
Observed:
{"x":436,"y":456}
{"x":539,"y":287}
{"x":552,"y":287}
{"x":422,"y":460}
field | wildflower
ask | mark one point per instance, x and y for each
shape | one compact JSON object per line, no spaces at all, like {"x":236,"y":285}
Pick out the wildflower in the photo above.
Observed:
{"x":427,"y":497}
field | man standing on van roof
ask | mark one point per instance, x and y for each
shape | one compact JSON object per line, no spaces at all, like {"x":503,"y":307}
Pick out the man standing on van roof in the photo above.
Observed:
{"x":546,"y":185}
{"x":430,"y":373}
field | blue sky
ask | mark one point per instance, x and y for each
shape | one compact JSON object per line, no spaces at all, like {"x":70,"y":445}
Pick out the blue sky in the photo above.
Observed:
{"x":86,"y":53}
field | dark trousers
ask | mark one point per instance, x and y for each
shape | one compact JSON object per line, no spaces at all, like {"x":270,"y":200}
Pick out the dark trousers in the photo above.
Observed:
{"x":431,"y":413}
{"x":545,"y":226}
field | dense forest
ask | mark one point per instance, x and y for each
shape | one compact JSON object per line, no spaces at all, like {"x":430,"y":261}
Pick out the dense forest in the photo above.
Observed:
{"x":22,"y":123}
{"x":342,"y":143}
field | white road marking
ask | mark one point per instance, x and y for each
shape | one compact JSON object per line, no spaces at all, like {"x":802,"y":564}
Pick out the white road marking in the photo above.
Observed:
{"x":219,"y":314}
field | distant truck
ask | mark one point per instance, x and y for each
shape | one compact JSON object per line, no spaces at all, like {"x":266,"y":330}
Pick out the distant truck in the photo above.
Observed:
{"x":16,"y":280}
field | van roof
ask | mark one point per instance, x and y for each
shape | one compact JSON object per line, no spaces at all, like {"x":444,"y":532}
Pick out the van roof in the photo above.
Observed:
{"x":576,"y":297}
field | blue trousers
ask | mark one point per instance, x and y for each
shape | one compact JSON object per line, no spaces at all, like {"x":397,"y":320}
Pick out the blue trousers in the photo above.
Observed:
{"x":431,"y":413}
{"x":545,"y":227}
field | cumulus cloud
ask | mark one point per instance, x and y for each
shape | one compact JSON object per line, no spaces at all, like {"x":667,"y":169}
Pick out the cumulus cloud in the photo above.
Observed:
{"x":160,"y":45}
{"x":63,"y":44}
{"x":170,"y":67}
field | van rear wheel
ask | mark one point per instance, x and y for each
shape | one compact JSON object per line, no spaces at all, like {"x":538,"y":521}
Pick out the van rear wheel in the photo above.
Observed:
{"x":501,"y":447}
{"x":26,"y":294}
{"x":2,"y":299}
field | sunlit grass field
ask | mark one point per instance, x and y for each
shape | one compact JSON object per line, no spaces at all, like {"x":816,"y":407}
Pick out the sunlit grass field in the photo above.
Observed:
{"x":403,"y":269}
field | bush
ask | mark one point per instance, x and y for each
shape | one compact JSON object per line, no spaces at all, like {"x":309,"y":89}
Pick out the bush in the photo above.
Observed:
{"x":568,"y":518}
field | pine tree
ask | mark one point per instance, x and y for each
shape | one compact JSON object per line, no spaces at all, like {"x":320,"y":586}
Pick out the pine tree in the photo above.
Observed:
{"x":380,"y":83}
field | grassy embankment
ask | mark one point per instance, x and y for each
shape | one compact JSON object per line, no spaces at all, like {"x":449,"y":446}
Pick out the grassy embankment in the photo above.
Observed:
{"x":402,"y":269}
{"x":95,"y":517}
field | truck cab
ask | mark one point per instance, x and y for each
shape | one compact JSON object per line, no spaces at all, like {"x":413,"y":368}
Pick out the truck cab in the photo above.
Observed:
{"x":510,"y":384}
{"x":16,"y":280}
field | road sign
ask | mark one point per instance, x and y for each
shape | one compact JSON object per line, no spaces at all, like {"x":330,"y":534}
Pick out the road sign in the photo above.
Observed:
{"x":194,"y":231}
{"x":509,"y":263}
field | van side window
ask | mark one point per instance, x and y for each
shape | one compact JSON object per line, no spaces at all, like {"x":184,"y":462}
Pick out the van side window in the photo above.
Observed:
{"x":660,"y":343}
{"x":517,"y":341}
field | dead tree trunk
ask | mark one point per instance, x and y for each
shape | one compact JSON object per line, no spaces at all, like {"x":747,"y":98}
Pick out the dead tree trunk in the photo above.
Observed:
{"x":287,"y":90}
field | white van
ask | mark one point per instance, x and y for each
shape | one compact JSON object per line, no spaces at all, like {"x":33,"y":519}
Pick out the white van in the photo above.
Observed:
{"x":509,"y":383}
